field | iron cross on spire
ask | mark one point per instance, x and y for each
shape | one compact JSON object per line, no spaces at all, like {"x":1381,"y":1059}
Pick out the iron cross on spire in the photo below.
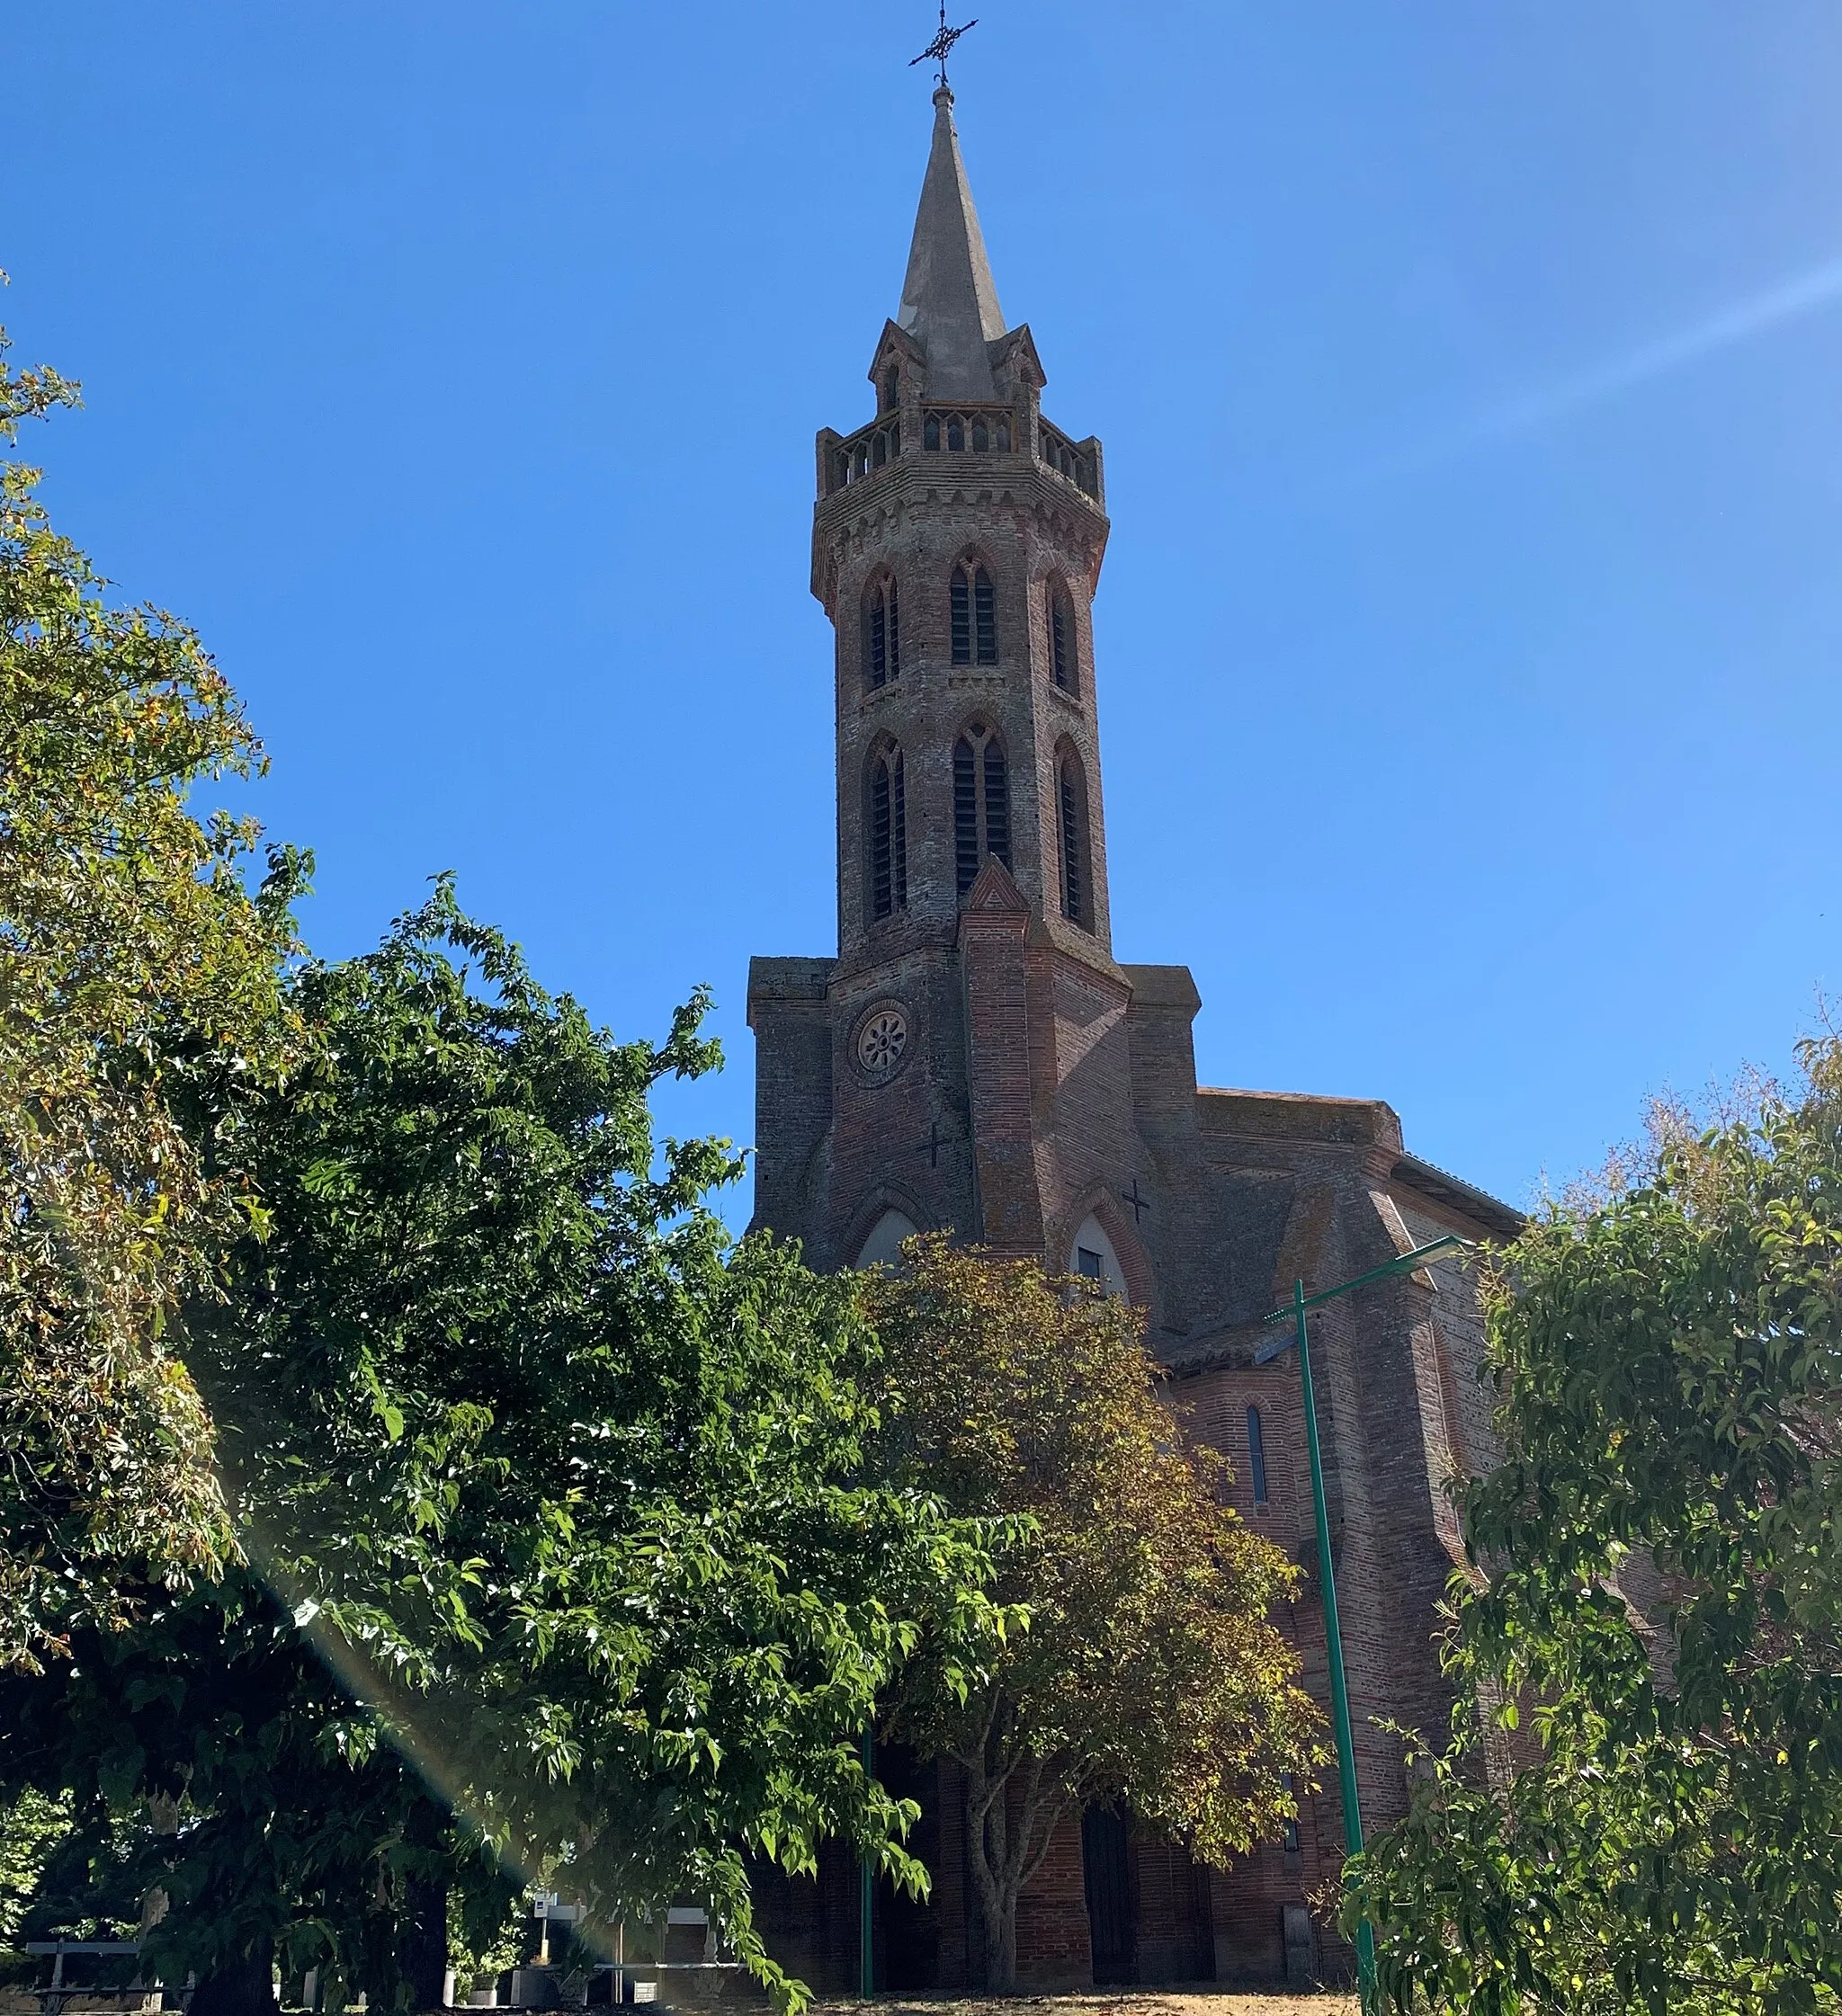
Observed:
{"x":941,"y":46}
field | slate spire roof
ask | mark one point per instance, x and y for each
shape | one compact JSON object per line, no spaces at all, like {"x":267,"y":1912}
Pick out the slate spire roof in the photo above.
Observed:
{"x":950,"y":299}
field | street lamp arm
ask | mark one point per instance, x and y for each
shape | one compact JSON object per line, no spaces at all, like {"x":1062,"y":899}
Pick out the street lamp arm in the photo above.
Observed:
{"x":1402,"y":1263}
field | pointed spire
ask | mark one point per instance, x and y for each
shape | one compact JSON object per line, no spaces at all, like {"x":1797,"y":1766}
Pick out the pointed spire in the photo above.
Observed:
{"x":949,"y":299}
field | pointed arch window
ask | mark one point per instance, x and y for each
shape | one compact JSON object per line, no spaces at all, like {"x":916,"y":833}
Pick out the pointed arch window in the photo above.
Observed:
{"x":882,"y":631}
{"x":883,"y":1247}
{"x":1072,"y":819}
{"x":981,"y":803}
{"x":1256,"y":1455}
{"x":1062,"y":637}
{"x":974,"y":613}
{"x":889,"y":835}
{"x":1095,"y":1260}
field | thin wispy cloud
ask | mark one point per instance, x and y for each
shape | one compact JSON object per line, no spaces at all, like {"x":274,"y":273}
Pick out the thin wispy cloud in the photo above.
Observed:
{"x":1528,"y":413}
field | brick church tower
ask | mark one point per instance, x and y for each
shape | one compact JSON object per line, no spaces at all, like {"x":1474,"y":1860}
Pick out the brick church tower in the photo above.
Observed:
{"x":974,"y":1059}
{"x":956,"y":548}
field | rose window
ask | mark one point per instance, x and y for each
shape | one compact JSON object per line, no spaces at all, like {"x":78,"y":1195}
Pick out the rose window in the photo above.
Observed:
{"x":881,"y":1041}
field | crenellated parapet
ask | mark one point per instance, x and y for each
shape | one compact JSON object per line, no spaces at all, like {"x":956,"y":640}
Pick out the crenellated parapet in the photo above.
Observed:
{"x":979,"y":429}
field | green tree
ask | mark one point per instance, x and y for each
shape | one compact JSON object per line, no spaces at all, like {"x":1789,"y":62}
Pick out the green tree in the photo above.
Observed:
{"x":555,"y":1497}
{"x":31,"y":1828}
{"x":132,"y":958}
{"x":228,"y":1798}
{"x":1152,"y":1672}
{"x":1642,"y":1798}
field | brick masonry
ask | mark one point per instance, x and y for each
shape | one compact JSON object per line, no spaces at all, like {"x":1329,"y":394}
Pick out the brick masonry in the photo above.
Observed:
{"x":1040,"y":1085}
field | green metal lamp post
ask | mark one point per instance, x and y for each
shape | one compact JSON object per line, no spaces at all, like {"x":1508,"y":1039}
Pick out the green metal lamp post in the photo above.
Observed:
{"x":866,"y":1894}
{"x":1333,"y":1635}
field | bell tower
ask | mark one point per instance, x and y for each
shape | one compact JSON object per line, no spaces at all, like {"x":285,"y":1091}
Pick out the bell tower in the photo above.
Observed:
{"x":956,"y":547}
{"x":920,"y":1077}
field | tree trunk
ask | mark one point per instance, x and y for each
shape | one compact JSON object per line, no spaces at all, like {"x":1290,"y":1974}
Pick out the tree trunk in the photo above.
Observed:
{"x":241,"y":1987}
{"x":1004,"y":1951}
{"x":1004,"y":1859}
{"x":1000,"y":1955}
{"x":422,"y":1940}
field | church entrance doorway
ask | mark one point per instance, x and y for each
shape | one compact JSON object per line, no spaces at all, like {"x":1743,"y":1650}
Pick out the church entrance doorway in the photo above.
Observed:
{"x":906,"y":1930}
{"x":1107,"y":1867}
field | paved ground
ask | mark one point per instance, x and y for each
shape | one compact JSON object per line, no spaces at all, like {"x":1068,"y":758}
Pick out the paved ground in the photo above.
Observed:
{"x":1123,"y":2002}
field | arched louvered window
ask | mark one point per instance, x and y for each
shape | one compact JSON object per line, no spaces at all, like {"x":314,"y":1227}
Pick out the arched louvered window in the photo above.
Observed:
{"x":882,"y":631}
{"x":974,"y":610}
{"x":1071,"y":818}
{"x":997,"y":804}
{"x":1256,"y":1455}
{"x":891,"y":388}
{"x":981,"y":803}
{"x":984,"y":619}
{"x":888,"y":836}
{"x":966,"y":849}
{"x":1061,"y":637}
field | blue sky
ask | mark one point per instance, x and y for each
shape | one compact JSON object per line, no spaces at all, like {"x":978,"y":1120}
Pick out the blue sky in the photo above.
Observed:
{"x":1471,"y":377}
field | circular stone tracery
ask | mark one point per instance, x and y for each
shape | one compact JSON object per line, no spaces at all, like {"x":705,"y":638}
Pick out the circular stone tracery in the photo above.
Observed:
{"x":882,"y":1040}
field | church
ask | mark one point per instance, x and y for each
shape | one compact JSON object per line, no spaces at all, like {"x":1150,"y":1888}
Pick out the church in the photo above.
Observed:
{"x":974,"y":1059}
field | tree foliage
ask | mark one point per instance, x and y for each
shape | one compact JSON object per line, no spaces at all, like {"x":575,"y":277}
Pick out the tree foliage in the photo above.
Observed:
{"x":132,"y":957}
{"x":227,"y":1797}
{"x":1656,"y":1593}
{"x":31,"y":1828}
{"x":1151,"y":1671}
{"x":552,"y":1501}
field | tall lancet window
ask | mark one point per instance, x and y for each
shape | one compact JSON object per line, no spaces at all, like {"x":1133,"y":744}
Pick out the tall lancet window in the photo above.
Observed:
{"x":981,"y":803}
{"x":882,"y":631}
{"x":998,"y":803}
{"x":889,"y":835}
{"x":974,"y":609}
{"x":1071,"y":815}
{"x":1061,"y":637}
